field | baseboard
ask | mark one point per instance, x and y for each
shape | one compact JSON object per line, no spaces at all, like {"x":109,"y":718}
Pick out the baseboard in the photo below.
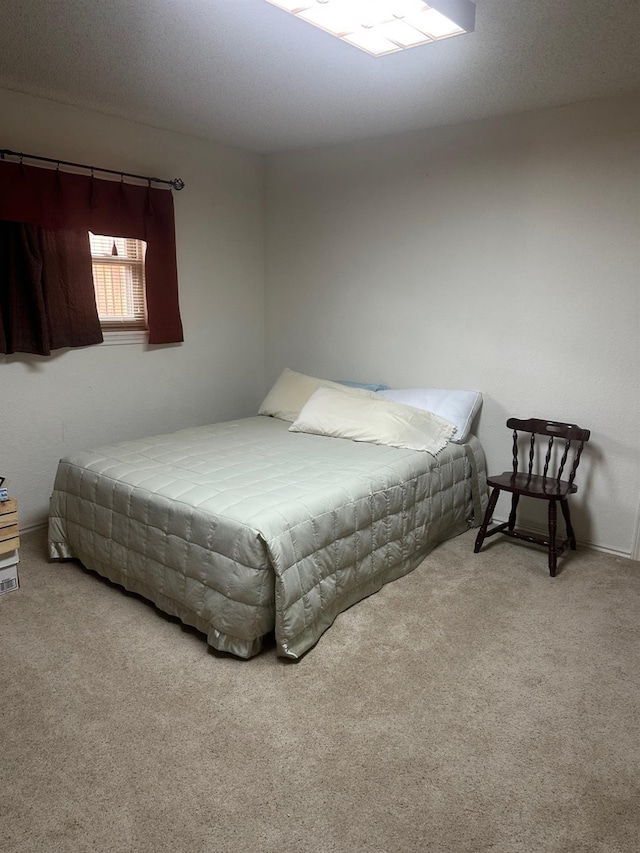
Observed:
{"x":543,"y":531}
{"x":32,"y":528}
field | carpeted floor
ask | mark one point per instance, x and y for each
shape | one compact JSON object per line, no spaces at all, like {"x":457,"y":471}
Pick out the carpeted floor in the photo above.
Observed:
{"x":475,"y":705}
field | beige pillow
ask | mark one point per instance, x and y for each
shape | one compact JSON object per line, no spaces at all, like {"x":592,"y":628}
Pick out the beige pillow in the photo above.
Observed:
{"x":335,"y":414}
{"x":292,"y":390}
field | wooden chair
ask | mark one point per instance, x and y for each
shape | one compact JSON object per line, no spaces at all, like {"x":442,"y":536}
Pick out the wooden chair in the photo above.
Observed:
{"x":544,"y":486}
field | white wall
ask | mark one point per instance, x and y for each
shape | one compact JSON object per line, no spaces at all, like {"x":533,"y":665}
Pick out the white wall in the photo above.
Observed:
{"x":87,"y":397}
{"x":501,"y":255}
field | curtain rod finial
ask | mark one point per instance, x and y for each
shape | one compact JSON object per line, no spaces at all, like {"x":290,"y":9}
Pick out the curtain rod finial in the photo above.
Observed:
{"x":177,"y":183}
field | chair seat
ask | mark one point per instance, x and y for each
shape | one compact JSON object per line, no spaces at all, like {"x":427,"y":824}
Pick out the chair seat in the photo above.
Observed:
{"x":533,"y":485}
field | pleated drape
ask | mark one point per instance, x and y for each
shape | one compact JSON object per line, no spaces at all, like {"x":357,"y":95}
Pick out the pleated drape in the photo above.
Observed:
{"x":47,"y":298}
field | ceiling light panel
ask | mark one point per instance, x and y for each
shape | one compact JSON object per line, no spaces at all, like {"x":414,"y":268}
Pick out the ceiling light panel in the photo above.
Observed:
{"x":380,"y":27}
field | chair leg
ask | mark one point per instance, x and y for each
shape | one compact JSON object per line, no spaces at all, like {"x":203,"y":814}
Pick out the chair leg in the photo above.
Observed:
{"x":564,"y":506}
{"x":493,"y":500}
{"x":553,"y":557}
{"x":514,"y":506}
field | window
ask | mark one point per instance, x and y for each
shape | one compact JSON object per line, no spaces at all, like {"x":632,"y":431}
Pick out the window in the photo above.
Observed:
{"x":118,"y":279}
{"x":54,"y":200}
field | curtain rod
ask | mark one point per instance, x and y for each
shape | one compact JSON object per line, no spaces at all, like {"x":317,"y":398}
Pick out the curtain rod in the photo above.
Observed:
{"x":176,"y":183}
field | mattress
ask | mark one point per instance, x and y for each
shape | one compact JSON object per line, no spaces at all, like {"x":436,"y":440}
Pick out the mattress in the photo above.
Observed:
{"x":243,"y":528}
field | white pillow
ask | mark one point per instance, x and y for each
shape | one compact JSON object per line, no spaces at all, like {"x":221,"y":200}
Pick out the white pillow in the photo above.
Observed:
{"x":458,"y":407}
{"x":339,"y":415}
{"x":292,"y":390}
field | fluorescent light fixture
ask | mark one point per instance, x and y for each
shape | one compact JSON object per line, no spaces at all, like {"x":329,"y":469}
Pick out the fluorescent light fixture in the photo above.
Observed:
{"x":385,"y":26}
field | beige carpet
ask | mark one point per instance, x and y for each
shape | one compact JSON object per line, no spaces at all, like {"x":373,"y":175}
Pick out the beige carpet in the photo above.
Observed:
{"x":475,"y":705}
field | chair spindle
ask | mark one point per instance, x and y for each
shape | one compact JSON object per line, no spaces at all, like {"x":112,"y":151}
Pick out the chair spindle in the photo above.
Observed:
{"x":547,"y":458}
{"x":532,"y":453}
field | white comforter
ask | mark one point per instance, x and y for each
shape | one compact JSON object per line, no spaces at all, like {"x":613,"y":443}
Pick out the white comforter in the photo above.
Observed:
{"x":242,"y":528}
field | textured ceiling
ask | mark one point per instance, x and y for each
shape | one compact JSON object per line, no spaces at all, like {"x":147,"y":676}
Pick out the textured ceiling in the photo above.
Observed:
{"x":248,"y":74}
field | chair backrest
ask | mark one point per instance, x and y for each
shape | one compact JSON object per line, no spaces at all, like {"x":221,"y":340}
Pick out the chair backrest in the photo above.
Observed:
{"x":573,"y":435}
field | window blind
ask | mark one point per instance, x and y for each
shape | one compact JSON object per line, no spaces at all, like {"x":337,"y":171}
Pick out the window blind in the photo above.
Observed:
{"x":118,"y":278}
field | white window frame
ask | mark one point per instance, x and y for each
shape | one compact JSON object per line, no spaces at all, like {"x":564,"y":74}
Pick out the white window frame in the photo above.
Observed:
{"x":124,"y":338}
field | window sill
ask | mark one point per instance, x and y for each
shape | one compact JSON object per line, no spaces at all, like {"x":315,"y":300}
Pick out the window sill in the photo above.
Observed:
{"x":138,"y":336}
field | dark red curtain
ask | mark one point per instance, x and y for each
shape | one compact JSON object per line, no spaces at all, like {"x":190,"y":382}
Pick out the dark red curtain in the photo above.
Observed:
{"x":52,"y":199}
{"x":47,"y":298}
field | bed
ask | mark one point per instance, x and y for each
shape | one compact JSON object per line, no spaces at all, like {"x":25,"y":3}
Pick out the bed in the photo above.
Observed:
{"x":245,"y":528}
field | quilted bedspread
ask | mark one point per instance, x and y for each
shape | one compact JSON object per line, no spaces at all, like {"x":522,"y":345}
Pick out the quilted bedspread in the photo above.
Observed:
{"x":243,"y":528}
